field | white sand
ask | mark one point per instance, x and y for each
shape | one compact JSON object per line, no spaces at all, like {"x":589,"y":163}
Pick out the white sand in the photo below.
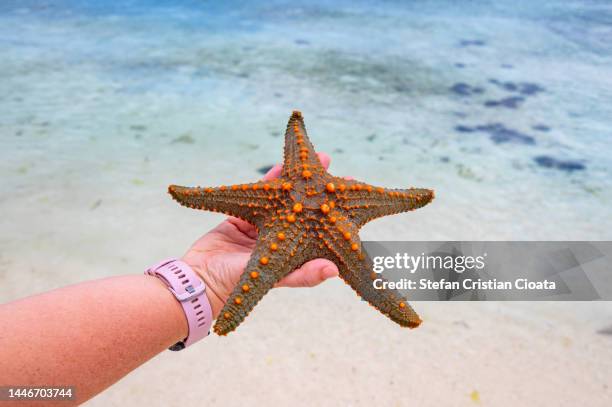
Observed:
{"x":297,"y":350}
{"x":324,"y":346}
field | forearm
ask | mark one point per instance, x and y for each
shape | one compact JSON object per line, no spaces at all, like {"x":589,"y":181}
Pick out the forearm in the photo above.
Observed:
{"x":87,"y":335}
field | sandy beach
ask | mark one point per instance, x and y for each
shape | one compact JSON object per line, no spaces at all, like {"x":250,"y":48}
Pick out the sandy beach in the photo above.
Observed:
{"x":324,"y":346}
{"x":501,"y":108}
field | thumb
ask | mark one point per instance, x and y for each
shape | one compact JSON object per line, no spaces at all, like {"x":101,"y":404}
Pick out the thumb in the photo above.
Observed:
{"x":310,"y":274}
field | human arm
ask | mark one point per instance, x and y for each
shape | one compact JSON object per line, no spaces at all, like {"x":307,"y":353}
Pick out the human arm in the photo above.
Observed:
{"x":89,"y":335}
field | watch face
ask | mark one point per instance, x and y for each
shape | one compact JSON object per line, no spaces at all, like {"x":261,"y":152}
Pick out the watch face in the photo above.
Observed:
{"x":177,"y":346}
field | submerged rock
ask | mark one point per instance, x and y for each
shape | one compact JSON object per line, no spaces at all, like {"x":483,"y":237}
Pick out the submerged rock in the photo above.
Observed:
{"x":511,"y":102}
{"x":185,"y":139}
{"x":465,"y":129}
{"x":473,"y":43}
{"x":546,"y":161}
{"x":524,"y":88}
{"x":498,"y":133}
{"x":463,"y":89}
{"x":527,"y":88}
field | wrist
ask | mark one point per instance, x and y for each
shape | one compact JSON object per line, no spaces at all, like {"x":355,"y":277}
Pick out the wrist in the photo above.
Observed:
{"x":216,"y":303}
{"x":190,"y":291}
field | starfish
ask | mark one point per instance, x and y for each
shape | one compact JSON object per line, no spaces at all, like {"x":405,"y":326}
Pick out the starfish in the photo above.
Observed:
{"x":305,"y":214}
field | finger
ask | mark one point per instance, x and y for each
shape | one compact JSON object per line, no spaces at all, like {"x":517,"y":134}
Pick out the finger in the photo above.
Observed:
{"x":310,"y":274}
{"x":325,"y":159}
{"x":349,"y":178}
{"x":273,"y":172}
{"x":243,"y":226}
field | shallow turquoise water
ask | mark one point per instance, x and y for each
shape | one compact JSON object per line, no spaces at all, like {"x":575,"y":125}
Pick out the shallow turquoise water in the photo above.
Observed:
{"x":502,"y":107}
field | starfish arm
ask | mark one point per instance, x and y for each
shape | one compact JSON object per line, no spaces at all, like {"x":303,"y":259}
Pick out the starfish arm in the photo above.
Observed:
{"x":365,"y":202}
{"x":388,"y":302}
{"x":355,"y":269}
{"x":249,"y":202}
{"x":276,"y":254}
{"x":300,"y":154}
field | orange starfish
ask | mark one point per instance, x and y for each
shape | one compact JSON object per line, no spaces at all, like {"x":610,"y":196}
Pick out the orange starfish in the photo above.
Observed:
{"x":303,"y":215}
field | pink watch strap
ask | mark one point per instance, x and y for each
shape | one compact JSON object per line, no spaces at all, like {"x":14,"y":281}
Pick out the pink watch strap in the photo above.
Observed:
{"x":190,"y":291}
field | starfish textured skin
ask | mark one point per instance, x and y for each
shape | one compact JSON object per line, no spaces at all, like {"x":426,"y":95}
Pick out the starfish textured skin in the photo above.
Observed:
{"x":305,"y":214}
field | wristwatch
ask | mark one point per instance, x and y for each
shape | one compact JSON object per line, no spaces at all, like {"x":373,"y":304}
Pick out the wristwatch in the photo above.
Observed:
{"x":190,"y":291}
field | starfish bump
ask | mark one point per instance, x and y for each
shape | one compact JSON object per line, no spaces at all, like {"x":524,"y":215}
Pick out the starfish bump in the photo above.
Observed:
{"x":305,"y":214}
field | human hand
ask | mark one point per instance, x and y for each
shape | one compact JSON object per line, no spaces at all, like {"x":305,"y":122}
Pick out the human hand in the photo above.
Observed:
{"x":221,"y":255}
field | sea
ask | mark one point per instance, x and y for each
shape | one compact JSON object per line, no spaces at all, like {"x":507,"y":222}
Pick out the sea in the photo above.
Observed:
{"x":503,"y":107}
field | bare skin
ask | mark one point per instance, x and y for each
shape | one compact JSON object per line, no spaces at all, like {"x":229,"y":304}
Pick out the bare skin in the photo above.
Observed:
{"x":89,"y":335}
